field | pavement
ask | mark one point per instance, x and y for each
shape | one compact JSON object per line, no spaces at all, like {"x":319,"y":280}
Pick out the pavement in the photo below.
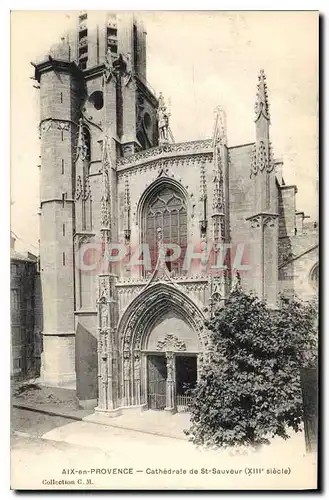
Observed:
{"x":48,"y":450}
{"x":149,"y":448}
{"x":63,"y":403}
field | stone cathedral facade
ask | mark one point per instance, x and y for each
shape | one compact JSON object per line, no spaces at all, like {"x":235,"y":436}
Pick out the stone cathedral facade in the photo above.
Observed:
{"x":123,"y":319}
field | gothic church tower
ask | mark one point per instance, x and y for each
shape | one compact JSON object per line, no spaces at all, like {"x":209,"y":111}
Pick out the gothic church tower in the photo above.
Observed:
{"x":93,"y":90}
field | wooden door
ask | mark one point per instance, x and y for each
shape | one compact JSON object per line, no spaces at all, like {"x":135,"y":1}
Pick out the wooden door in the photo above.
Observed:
{"x":157,"y":379}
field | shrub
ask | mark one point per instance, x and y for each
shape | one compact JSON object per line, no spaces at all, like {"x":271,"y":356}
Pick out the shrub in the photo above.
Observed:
{"x":249,"y":385}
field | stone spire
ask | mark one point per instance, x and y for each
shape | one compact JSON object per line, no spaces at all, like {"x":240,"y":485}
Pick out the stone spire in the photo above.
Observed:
{"x":261,"y":157}
{"x":261,"y":104}
{"x":219,"y":142}
{"x":219,"y":134}
{"x":219,"y":281}
{"x":264,"y":219}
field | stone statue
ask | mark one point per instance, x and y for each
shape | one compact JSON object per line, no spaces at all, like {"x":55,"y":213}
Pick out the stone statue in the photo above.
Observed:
{"x":108,"y":70}
{"x":163,"y":121}
{"x":236,"y":282}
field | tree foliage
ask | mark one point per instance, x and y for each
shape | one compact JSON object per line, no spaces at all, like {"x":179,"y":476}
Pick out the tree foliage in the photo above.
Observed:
{"x":249,"y":385}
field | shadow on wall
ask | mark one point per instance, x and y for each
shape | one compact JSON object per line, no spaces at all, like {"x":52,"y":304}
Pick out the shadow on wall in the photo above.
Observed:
{"x":86,"y":364}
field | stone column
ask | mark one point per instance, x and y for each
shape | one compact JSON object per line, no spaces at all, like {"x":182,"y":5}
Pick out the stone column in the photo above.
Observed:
{"x":102,"y":354}
{"x":143,"y":378}
{"x":137,"y":378}
{"x":126,"y":377}
{"x":170,"y":386}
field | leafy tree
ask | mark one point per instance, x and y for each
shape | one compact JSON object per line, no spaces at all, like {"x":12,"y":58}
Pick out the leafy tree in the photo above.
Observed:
{"x":249,"y":385}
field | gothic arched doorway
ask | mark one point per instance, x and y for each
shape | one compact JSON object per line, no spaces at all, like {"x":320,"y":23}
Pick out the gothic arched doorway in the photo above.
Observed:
{"x":159,"y":330}
{"x":171,"y":347}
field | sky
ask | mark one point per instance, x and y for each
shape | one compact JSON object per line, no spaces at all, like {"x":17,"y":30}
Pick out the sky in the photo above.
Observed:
{"x":198,"y":60}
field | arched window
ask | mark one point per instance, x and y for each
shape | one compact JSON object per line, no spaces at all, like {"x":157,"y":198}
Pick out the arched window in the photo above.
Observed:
{"x":165,"y":209}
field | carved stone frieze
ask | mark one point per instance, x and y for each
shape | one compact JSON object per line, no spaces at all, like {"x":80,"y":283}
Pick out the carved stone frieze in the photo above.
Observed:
{"x":253,"y":160}
{"x":78,"y":188}
{"x":87,"y":190}
{"x":270,"y":163}
{"x":194,"y":287}
{"x":184,"y":147}
{"x":261,"y":220}
{"x":171,"y":343}
{"x":270,"y":220}
{"x":163,"y":164}
{"x":54,"y":123}
{"x":82,"y":239}
{"x":261,"y":158}
{"x":256,"y":221}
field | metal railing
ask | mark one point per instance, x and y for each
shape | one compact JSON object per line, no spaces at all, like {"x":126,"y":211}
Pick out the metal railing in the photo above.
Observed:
{"x":183,"y":402}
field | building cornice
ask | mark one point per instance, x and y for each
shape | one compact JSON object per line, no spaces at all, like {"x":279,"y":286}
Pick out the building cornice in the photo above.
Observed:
{"x":59,"y":65}
{"x":262,"y":214}
{"x":291,"y":186}
{"x":93,"y":71}
{"x":58,"y":200}
{"x":85,"y":312}
{"x":247,"y":144}
{"x":165,"y":151}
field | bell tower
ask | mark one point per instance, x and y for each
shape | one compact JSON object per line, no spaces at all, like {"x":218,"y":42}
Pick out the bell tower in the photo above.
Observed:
{"x":117,"y":41}
{"x":94,"y":97}
{"x":60,"y":81}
